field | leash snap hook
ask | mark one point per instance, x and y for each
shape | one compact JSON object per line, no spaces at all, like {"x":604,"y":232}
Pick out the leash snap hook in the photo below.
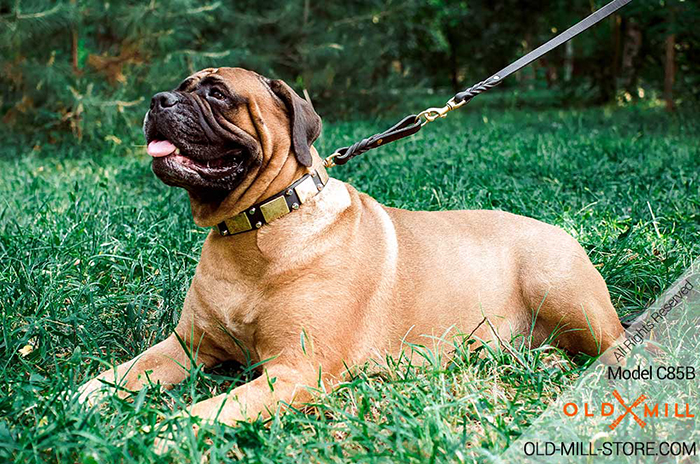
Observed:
{"x":329,"y":161}
{"x":431,"y":114}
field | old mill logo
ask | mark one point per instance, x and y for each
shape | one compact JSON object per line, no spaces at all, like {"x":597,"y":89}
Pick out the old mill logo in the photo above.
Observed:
{"x":637,"y":410}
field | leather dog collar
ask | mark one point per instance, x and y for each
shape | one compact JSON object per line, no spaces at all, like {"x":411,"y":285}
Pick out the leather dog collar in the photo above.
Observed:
{"x":284,"y":202}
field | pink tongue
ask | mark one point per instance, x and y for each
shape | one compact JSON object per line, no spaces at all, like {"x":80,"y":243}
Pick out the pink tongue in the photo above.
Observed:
{"x":160,"y":148}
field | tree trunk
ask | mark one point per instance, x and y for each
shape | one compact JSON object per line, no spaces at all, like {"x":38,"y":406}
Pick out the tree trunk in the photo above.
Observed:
{"x":670,"y":71}
{"x":630,"y":52}
{"x":452,"y":41}
{"x":568,"y":61}
{"x":307,"y":9}
{"x":74,"y":47}
{"x":551,"y":75}
{"x":616,"y":42}
{"x":74,"y":50}
{"x":531,"y":73}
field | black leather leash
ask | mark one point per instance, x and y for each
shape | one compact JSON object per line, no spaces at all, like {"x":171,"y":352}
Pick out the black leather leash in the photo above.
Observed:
{"x":413,"y":123}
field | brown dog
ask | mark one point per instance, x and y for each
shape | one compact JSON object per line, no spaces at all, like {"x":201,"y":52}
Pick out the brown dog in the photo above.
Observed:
{"x":343,"y":279}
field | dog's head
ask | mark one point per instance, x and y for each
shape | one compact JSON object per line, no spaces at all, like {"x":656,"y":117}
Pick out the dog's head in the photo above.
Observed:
{"x":221,"y":128}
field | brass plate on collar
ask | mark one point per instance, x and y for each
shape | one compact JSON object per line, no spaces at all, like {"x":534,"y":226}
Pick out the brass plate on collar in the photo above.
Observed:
{"x":274,"y":209}
{"x":238,"y":223}
{"x":306,"y":189}
{"x":323,"y":175}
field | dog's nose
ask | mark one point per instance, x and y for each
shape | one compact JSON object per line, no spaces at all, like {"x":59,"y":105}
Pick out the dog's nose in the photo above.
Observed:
{"x":164,"y":100}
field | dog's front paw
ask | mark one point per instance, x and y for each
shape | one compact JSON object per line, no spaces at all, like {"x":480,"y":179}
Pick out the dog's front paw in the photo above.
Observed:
{"x":168,"y":439}
{"x":93,"y":391}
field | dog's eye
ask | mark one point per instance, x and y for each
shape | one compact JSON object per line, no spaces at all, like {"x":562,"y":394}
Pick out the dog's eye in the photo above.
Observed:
{"x":218,"y":94}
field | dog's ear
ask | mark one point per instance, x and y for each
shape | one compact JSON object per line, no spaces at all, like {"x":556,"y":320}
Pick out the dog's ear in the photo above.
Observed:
{"x":305,"y":123}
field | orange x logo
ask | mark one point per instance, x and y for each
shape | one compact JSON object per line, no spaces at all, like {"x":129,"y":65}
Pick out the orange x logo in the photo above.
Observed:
{"x":628,"y":410}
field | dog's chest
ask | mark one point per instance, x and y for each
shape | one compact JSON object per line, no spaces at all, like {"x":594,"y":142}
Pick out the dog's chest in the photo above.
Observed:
{"x":224,"y":305}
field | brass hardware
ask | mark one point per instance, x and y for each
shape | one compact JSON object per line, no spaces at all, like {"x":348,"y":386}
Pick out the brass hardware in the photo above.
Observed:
{"x":277,"y":207}
{"x":323,"y":175}
{"x":431,"y":114}
{"x":238,"y":223}
{"x":274,"y":209}
{"x":305,"y":190}
{"x":328,"y":162}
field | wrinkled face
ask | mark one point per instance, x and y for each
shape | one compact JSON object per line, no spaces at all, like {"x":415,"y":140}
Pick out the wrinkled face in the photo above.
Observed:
{"x":202,"y":135}
{"x":194,"y":140}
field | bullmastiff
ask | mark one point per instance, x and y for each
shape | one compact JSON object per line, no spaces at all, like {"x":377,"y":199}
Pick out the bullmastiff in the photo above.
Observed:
{"x":313,"y":277}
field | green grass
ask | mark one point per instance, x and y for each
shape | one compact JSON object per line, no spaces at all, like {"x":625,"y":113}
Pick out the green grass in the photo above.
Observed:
{"x":96,"y":256}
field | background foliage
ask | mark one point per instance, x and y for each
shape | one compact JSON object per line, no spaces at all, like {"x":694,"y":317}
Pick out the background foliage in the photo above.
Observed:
{"x":88,"y":67}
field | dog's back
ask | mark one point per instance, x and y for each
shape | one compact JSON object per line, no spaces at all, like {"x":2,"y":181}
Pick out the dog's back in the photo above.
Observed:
{"x":457,"y":267}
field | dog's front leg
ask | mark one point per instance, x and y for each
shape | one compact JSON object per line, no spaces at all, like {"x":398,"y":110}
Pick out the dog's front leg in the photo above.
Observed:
{"x":166,"y":363}
{"x":277,"y":386}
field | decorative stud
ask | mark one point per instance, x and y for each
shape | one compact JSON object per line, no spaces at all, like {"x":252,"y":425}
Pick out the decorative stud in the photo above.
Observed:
{"x":258,"y":225}
{"x":224,"y":233}
{"x":295,"y":205}
{"x":319,"y":187}
{"x":288,"y":192}
{"x":313,"y":173}
{"x":251,"y":211}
